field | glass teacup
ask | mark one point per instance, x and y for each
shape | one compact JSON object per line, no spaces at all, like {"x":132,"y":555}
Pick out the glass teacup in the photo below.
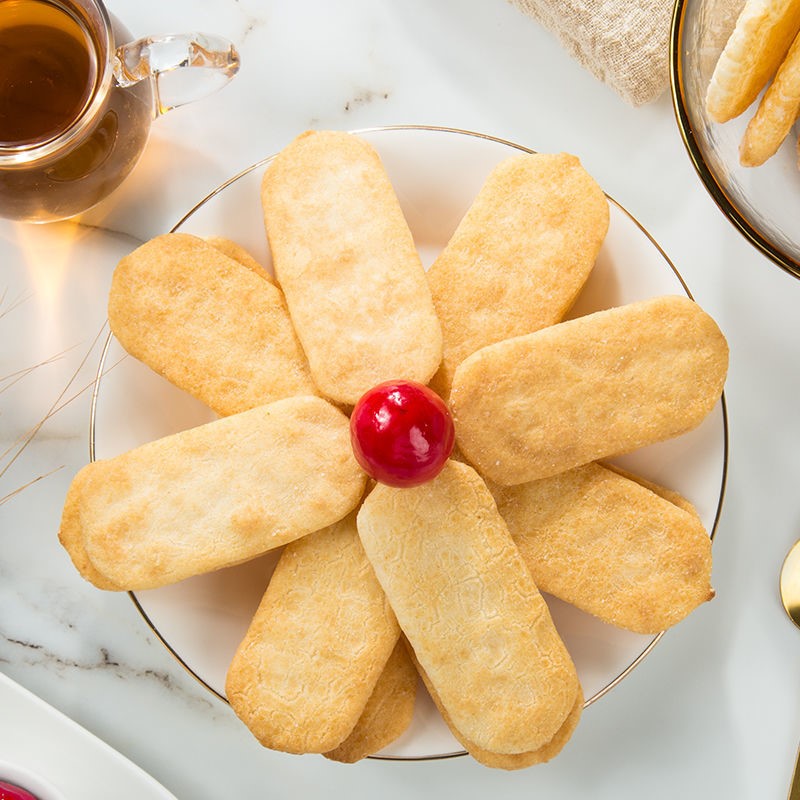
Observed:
{"x":76,"y":106}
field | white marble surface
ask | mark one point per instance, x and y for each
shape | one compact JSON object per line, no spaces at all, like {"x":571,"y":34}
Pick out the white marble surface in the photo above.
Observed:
{"x":714,"y":712}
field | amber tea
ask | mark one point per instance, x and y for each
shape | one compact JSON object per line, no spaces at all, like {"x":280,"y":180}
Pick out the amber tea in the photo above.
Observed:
{"x":77,"y":96}
{"x":75,"y":137}
{"x":48,"y":70}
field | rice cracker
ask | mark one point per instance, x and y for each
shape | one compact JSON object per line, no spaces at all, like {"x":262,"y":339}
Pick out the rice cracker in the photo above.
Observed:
{"x":470,"y":610}
{"x":212,"y":496}
{"x":610,"y":546}
{"x":763,"y":33}
{"x":318,"y":643}
{"x":71,"y":534}
{"x":346,"y":261}
{"x":238,"y":253}
{"x":510,"y":761}
{"x":519,"y":256}
{"x":776,"y":113}
{"x":589,"y":388}
{"x":206,"y":323}
{"x":671,"y":495}
{"x":388,"y":711}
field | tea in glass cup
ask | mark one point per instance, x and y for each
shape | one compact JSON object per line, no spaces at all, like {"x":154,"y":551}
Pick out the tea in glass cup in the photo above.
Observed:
{"x":76,"y":107}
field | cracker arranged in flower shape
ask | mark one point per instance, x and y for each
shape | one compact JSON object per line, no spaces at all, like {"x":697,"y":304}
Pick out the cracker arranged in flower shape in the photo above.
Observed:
{"x":377,"y":583}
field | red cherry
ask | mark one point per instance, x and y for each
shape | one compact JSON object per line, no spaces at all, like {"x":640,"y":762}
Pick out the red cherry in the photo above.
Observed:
{"x":402,"y":433}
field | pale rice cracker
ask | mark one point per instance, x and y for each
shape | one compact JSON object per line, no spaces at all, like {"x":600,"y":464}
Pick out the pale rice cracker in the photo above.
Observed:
{"x":510,"y":761}
{"x":345,"y":258}
{"x":238,"y":253}
{"x":674,"y":497}
{"x":207,"y":324}
{"x":470,"y":609}
{"x":213,"y":496}
{"x":756,"y":47}
{"x":519,"y":257}
{"x":776,"y":112}
{"x":610,"y":546}
{"x":589,"y":388}
{"x":71,"y":534}
{"x":320,"y":639}
{"x":388,"y":712}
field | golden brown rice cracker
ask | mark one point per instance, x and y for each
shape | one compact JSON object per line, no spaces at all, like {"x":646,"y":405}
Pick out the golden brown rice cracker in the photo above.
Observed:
{"x":388,"y":711}
{"x":763,"y":33}
{"x":470,"y":609}
{"x":316,"y":647}
{"x":238,"y":253}
{"x":215,"y":495}
{"x":510,"y":761}
{"x":589,"y":388}
{"x":344,"y":256}
{"x":71,"y":534}
{"x":776,"y":113}
{"x":543,"y":754}
{"x":519,"y":257}
{"x":610,"y":547}
{"x":676,"y":498}
{"x":207,"y":324}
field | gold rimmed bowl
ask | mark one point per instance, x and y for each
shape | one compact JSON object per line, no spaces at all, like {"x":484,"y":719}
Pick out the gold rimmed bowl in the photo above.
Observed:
{"x":762,"y":202}
{"x":436,"y":172}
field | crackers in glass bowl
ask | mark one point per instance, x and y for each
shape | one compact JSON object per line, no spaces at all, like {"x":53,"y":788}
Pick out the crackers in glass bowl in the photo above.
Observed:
{"x":735,"y":77}
{"x":763,"y":51}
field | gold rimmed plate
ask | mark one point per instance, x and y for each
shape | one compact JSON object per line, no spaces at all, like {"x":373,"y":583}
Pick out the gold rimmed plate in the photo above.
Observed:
{"x":436,"y":173}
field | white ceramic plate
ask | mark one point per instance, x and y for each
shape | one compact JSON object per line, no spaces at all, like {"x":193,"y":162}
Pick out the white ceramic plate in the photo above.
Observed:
{"x":436,"y":173}
{"x":36,"y":738}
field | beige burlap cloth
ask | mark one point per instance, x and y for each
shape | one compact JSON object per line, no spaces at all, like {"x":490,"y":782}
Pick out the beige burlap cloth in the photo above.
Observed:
{"x":622,"y":42}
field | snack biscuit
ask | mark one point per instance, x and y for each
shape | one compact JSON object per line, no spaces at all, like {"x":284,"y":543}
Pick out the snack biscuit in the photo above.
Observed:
{"x":470,"y":610}
{"x":71,"y":534}
{"x":388,"y":711}
{"x":345,"y":258}
{"x":610,"y":547}
{"x":214,"y":495}
{"x":589,"y":388}
{"x":776,"y":112}
{"x":756,"y":47}
{"x":207,"y":324}
{"x":238,"y":253}
{"x":519,"y":256}
{"x":672,"y":496}
{"x":509,"y":761}
{"x":319,"y":641}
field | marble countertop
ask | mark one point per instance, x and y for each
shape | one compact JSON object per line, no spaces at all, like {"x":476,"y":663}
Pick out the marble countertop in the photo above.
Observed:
{"x":713,"y":712}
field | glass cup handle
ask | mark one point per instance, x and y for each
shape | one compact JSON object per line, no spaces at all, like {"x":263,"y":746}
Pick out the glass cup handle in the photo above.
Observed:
{"x":165,"y":62}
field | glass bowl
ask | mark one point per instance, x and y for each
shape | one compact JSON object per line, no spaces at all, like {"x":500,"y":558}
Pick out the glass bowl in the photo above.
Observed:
{"x":763,"y":202}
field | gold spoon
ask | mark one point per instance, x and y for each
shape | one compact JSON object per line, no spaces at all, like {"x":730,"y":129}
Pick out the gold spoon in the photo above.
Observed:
{"x":790,"y":583}
{"x":790,"y":596}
